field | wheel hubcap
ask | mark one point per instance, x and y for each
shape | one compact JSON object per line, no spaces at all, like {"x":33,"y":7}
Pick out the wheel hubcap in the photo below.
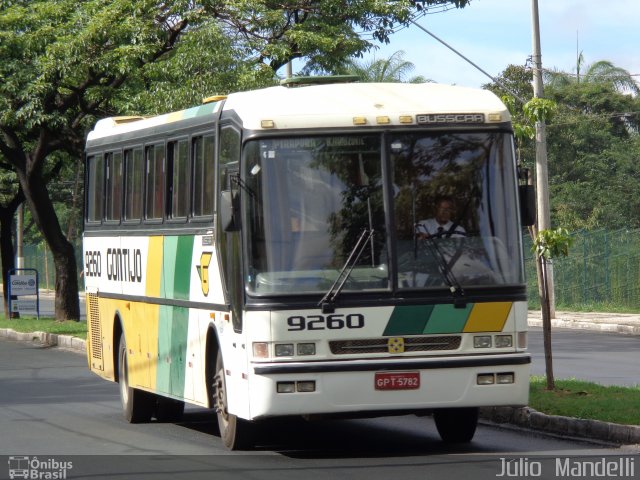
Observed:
{"x":220,"y":397}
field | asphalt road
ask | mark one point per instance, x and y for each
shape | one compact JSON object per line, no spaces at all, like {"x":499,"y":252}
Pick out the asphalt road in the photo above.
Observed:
{"x":52,"y":407}
{"x":605,"y":358}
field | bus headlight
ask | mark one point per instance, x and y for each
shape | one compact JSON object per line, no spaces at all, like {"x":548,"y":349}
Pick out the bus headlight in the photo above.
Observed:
{"x":286,"y":387}
{"x":485,"y":379}
{"x":306,"y":386}
{"x":482,"y":341}
{"x":284,"y":350}
{"x":505,"y":377}
{"x":306,"y":348}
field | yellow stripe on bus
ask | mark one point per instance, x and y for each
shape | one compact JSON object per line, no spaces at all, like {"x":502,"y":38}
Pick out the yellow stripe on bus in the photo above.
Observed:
{"x":488,"y":317}
{"x":154,"y":267}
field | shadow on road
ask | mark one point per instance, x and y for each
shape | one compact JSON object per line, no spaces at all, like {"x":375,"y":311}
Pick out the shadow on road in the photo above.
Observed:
{"x":296,"y":437}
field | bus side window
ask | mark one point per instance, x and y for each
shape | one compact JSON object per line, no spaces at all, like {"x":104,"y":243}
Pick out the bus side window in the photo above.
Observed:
{"x":133,"y":184}
{"x":178,"y":179}
{"x":230,"y":247}
{"x":203,"y":175}
{"x":228,"y":168}
{"x":155,"y":182}
{"x":95,"y":188}
{"x":114,"y":187}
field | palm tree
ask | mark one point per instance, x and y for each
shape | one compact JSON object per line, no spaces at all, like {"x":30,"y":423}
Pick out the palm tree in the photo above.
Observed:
{"x":393,"y":69}
{"x":602,"y":72}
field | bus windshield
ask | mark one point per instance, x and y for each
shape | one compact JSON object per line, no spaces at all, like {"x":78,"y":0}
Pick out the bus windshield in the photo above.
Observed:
{"x":308,"y":200}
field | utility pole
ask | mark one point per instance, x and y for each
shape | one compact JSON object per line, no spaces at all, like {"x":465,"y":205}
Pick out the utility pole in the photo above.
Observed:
{"x":542,"y":171}
{"x":19,"y":237}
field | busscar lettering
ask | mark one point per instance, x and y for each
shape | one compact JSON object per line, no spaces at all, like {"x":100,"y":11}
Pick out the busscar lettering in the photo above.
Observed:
{"x":124,"y":265}
{"x":450,"y":118}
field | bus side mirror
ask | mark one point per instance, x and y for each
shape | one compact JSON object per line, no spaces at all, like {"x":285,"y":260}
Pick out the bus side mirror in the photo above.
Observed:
{"x":527,"y":196}
{"x":229,"y":211}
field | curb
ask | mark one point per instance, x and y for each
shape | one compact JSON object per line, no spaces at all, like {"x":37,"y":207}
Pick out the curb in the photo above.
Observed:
{"x":592,"y":326}
{"x":527,"y":417}
{"x":48,"y":339}
{"x":524,"y":417}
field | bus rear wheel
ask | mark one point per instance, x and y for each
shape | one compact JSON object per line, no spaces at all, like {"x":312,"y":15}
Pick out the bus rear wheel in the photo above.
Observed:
{"x":456,"y":425}
{"x":236,"y":433}
{"x":138,"y":405}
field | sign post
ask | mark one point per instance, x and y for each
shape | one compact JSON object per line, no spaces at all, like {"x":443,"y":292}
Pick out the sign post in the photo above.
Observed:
{"x":24,"y":282}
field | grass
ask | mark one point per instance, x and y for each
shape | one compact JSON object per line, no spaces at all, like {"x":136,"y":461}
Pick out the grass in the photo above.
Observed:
{"x":572,"y":398}
{"x":32,"y":324}
{"x":586,"y":400}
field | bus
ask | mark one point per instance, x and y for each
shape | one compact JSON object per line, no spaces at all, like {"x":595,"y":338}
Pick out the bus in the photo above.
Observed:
{"x":265,"y":254}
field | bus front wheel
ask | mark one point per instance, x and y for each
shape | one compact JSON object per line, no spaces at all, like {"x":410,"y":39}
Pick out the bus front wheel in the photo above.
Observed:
{"x":138,"y":405}
{"x":235,"y":432}
{"x":456,"y":425}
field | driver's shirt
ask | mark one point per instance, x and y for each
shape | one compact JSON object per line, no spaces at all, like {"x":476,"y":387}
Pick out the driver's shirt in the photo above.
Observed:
{"x":432,"y":227}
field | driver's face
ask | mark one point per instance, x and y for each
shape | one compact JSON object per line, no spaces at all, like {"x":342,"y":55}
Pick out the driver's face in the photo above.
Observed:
{"x":444,"y":210}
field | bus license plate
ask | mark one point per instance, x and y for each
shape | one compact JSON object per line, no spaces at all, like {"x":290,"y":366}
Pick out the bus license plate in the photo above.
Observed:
{"x":397,"y":380}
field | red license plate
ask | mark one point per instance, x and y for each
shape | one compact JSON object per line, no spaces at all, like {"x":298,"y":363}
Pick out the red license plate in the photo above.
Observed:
{"x":397,"y":380}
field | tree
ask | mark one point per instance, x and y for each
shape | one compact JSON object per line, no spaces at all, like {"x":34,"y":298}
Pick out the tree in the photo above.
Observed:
{"x":600,"y":72}
{"x":548,"y":244}
{"x":11,"y":198}
{"x":392,"y":69}
{"x":593,"y":145}
{"x":65,"y":62}
{"x":518,"y":80}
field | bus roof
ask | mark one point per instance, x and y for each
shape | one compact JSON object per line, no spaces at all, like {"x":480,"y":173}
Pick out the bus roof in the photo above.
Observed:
{"x":335,"y":105}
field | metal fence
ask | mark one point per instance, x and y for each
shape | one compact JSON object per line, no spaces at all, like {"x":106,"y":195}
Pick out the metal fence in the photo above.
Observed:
{"x":602,"y":270}
{"x":40,"y":258}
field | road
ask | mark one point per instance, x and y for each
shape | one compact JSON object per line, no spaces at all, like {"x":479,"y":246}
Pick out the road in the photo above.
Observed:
{"x":52,"y":407}
{"x":605,"y":358}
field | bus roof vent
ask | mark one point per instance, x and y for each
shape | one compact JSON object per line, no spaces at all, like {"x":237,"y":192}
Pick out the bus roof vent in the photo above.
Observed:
{"x":213,"y":98}
{"x":126,"y":119}
{"x":304,"y":81}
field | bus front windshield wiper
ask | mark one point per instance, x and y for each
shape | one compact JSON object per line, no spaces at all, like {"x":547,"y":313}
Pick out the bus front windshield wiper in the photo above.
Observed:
{"x":328,"y":301}
{"x":443,"y":267}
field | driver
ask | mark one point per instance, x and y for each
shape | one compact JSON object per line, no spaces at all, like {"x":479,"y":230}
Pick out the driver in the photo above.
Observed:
{"x":441,"y":224}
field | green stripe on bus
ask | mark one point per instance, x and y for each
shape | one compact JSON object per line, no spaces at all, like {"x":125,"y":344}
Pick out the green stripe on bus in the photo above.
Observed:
{"x":408,"y":320}
{"x":448,"y":319}
{"x":169,"y":265}
{"x":174,"y":321}
{"x":427,"y":319}
{"x":172,"y":350}
{"x":182,"y":272}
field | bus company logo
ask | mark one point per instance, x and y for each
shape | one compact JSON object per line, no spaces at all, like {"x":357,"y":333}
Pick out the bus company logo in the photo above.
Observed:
{"x":203,"y":271}
{"x":429,"y":118}
{"x":35,"y":468}
{"x":395,"y":345}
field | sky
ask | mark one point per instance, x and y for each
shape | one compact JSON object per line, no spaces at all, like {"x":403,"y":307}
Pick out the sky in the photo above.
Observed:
{"x":496,"y":33}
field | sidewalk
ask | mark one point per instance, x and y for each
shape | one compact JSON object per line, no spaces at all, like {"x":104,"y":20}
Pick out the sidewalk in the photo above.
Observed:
{"x":626,"y":323}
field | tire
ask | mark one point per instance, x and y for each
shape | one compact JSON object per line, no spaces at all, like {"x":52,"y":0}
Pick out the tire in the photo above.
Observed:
{"x":169,"y":410}
{"x":137,"y":405}
{"x":456,"y":425}
{"x":236,"y":433}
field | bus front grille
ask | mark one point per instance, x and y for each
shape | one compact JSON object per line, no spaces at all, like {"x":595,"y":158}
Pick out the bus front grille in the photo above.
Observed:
{"x":381,"y":345}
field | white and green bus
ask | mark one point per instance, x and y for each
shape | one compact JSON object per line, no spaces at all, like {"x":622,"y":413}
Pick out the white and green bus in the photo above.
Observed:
{"x":264,"y":255}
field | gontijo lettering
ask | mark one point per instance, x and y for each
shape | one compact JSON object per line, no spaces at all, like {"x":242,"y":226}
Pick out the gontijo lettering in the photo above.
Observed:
{"x":124,"y":264}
